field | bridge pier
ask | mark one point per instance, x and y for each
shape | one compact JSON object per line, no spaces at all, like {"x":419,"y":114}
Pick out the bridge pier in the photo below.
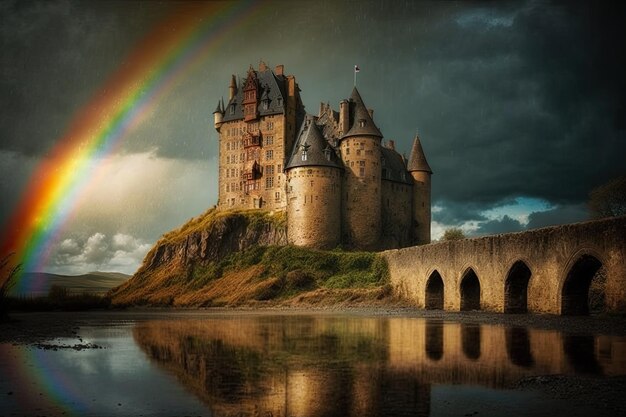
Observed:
{"x":549,"y":270}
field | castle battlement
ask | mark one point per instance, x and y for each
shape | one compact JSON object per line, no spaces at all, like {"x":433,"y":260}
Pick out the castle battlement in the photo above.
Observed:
{"x":339,"y":183}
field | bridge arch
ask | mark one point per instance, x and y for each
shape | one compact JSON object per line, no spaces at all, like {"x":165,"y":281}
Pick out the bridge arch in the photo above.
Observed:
{"x":434,"y":291}
{"x":516,"y":288}
{"x":576,"y":284}
{"x":470,"y":290}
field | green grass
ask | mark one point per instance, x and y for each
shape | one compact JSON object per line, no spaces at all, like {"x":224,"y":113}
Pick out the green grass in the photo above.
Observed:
{"x":255,"y":218}
{"x":300,"y":268}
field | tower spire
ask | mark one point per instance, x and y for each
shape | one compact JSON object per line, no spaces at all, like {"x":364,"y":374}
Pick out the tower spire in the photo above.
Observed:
{"x":417,"y":159}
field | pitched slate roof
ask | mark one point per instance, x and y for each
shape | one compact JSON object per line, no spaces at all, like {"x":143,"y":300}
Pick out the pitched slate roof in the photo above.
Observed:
{"x":362,"y":123}
{"x":271,"y":87}
{"x":417,"y":159}
{"x":393,"y":167}
{"x":311,"y":141}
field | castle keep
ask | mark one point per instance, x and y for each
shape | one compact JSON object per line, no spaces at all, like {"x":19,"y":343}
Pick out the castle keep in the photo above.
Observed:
{"x":332,"y":173}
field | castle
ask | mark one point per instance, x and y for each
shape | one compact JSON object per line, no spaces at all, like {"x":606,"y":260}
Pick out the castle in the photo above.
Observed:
{"x":338,"y":182}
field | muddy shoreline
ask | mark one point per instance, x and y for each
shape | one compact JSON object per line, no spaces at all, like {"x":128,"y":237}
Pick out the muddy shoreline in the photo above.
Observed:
{"x":40,"y":327}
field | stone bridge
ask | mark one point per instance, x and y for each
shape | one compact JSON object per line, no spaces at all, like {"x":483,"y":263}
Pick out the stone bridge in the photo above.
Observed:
{"x":550,"y":270}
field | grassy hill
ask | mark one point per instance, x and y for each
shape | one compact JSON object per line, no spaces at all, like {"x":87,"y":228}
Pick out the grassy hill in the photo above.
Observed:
{"x":242,"y":258}
{"x":93,"y":282}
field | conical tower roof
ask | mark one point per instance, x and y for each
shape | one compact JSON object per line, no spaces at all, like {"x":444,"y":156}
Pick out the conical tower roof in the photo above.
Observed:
{"x":311,"y":149}
{"x":362,"y":123}
{"x":417,"y":160}
{"x":218,"y":109}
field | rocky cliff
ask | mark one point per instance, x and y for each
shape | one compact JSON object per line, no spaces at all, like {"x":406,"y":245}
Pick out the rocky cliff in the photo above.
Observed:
{"x":242,"y":258}
{"x":214,"y":236}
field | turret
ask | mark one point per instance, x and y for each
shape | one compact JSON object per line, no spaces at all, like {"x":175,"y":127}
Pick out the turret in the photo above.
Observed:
{"x":313,"y":190}
{"x":361,"y":154}
{"x":421,"y":173}
{"x":218,"y":115}
{"x":232,"y":88}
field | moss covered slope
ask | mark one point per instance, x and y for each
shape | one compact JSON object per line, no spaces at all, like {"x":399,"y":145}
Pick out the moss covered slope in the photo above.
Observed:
{"x":241,"y":258}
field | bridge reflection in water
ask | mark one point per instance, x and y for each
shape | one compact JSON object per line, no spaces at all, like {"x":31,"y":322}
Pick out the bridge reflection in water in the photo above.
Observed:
{"x":357,"y":366}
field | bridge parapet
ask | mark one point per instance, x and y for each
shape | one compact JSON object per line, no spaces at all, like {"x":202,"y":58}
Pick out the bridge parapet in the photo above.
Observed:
{"x":549,"y":270}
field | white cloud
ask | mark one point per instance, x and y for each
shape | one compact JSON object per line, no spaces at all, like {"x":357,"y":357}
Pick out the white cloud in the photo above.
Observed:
{"x":99,"y":252}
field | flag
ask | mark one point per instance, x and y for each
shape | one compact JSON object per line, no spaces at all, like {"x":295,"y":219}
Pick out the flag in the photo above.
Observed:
{"x":356,"y":68}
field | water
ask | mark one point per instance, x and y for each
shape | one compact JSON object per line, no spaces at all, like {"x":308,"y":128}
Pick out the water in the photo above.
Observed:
{"x":302,"y":365}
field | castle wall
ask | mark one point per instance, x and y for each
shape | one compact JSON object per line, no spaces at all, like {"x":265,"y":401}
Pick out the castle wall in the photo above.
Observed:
{"x":269,"y":188}
{"x":362,"y":191}
{"x":421,"y":207}
{"x":314,"y":207}
{"x":397,"y":214}
{"x":551,"y":254}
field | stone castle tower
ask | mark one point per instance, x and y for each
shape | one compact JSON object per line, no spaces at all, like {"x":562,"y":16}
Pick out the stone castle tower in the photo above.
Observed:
{"x":332,"y":173}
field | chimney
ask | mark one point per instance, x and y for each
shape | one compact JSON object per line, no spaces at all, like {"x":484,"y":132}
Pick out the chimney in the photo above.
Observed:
{"x":371,"y":112}
{"x":232,"y":89}
{"x":344,"y":116}
{"x":279,"y":70}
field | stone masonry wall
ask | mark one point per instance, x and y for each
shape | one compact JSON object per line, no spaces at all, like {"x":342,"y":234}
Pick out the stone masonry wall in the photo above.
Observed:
{"x":314,"y":209}
{"x":549,"y":253}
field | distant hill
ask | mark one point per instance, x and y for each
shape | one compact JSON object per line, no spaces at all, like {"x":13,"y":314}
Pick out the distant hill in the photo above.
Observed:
{"x":92,"y":282}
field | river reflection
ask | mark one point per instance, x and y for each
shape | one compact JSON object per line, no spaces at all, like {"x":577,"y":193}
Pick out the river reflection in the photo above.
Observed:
{"x":356,"y":366}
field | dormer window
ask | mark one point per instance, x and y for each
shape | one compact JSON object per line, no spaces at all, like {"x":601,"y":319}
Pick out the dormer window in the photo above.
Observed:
{"x":232,"y":108}
{"x":361,"y":122}
{"x":327,"y":153}
{"x":305,"y":151}
{"x":265,"y":104}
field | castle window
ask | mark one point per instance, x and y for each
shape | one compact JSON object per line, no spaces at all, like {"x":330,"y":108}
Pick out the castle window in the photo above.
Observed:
{"x":265,"y":104}
{"x":351,"y":163}
{"x":361,"y":172}
{"x":269,"y":182}
{"x":270,"y":125}
{"x":227,"y":188}
{"x":347,"y":151}
{"x":228,"y":173}
{"x":277,"y":196}
{"x":358,"y":152}
{"x":269,"y":155}
{"x":269,"y":169}
{"x":269,"y":140}
{"x":232,"y":109}
{"x":228,"y":146}
{"x":279,"y":168}
{"x":362,"y":145}
{"x":361,"y":163}
{"x":280,"y":101}
{"x":361,"y":122}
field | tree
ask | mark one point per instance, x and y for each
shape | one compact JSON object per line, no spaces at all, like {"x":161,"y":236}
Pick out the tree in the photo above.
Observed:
{"x":609,"y":199}
{"x":453,"y":233}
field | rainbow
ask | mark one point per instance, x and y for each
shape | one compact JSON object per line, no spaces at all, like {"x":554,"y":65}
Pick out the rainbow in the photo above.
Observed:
{"x":156,"y":64}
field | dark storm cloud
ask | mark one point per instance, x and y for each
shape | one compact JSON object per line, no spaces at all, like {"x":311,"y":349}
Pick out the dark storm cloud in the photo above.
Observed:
{"x":504,"y":225}
{"x":559,"y":215}
{"x":55,"y":55}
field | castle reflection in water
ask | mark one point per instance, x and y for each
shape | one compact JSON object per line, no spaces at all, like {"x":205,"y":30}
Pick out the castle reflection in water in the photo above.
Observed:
{"x":352,"y":366}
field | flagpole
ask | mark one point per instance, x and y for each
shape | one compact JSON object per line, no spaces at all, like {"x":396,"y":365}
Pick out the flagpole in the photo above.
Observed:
{"x":355,"y":76}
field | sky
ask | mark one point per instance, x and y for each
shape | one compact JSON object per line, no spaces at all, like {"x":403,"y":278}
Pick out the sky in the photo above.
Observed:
{"x":520,"y":107}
